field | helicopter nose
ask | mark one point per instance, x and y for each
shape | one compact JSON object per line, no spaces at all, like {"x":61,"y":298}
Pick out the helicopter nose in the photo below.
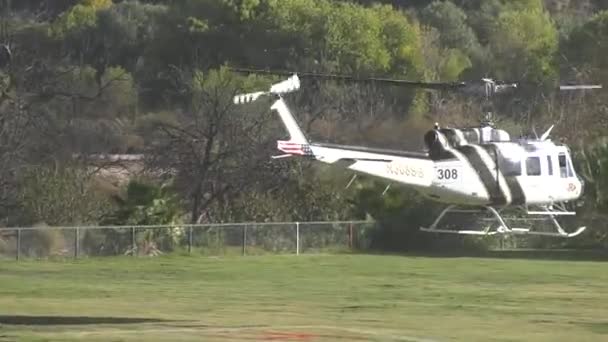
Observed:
{"x":576,"y":187}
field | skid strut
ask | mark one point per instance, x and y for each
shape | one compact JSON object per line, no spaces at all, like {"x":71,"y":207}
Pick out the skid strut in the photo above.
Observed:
{"x":502,"y":227}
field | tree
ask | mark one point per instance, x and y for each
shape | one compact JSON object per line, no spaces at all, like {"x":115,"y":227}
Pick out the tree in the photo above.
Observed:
{"x":42,"y":10}
{"x":451,"y":22}
{"x":524,"y":43}
{"x":44,"y":104}
{"x":301,"y":191}
{"x":142,"y":204}
{"x":213,"y":149}
{"x":145,"y":203}
{"x":399,"y":212}
{"x":15,"y":147}
{"x":587,"y":47}
{"x":92,"y":77}
{"x":123,"y":35}
{"x":442,"y":64}
{"x":593,"y":168}
{"x":61,"y":195}
{"x":349,"y":38}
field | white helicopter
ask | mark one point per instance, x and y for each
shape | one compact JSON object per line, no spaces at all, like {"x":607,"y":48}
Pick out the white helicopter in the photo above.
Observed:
{"x":471,"y":170}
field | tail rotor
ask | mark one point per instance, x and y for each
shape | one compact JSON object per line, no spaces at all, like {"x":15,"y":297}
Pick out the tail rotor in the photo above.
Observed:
{"x":287,"y":86}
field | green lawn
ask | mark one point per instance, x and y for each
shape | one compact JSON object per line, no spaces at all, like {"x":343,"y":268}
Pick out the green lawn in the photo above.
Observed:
{"x":303,"y":298}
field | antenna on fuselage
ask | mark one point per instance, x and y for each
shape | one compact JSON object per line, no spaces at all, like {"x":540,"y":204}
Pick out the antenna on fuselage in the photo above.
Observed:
{"x":546,"y":134}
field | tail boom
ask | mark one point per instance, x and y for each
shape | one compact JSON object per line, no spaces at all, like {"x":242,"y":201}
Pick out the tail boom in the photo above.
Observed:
{"x":407,"y":168}
{"x":414,"y":170}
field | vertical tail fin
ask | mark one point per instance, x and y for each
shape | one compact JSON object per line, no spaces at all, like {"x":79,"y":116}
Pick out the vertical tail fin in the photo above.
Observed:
{"x":287,"y":86}
{"x":295,"y":133}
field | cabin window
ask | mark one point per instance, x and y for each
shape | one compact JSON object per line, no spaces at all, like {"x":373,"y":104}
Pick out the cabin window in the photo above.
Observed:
{"x":533,"y":166}
{"x":550,"y":165}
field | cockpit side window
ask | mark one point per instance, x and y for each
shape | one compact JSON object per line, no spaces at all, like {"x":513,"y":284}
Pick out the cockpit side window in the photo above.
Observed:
{"x":550,"y":165}
{"x":509,"y":167}
{"x":564,"y":169}
{"x":533,"y":166}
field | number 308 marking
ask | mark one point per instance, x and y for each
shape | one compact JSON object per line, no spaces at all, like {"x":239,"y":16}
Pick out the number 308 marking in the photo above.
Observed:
{"x":447,"y":173}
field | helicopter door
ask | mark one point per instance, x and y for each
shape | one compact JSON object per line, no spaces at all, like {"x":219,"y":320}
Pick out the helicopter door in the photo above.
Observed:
{"x":536,"y":182}
{"x":569,"y":185}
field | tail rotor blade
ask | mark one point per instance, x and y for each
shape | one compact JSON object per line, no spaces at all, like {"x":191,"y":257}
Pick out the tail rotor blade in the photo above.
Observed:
{"x":287,"y":86}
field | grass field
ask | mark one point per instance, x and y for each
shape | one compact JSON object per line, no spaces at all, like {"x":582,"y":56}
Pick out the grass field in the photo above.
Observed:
{"x":304,"y":298}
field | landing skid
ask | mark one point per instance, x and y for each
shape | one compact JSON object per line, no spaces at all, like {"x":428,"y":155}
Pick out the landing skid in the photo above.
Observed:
{"x":498,"y":225}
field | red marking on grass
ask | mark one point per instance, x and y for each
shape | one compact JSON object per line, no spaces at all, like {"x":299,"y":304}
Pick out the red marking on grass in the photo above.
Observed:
{"x":285,"y":336}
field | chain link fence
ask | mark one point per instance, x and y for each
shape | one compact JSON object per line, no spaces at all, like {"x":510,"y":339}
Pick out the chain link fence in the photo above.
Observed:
{"x":202,"y":239}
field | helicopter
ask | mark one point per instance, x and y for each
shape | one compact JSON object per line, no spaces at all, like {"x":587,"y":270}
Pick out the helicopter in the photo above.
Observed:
{"x":471,"y":170}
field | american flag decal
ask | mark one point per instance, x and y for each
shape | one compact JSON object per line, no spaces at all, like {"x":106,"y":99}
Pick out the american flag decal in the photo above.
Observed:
{"x":294,"y":148}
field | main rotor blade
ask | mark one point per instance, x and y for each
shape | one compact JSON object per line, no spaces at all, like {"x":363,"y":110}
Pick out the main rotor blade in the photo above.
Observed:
{"x":485,"y":87}
{"x":348,"y":78}
{"x":580,"y":87}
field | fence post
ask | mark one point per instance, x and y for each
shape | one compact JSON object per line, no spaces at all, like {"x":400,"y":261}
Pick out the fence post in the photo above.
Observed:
{"x":350,"y":235}
{"x":76,"y":243}
{"x":244,"y":239}
{"x":297,"y":238}
{"x":133,"y":240}
{"x":190,"y":239}
{"x":18,"y":252}
{"x":217,"y":240}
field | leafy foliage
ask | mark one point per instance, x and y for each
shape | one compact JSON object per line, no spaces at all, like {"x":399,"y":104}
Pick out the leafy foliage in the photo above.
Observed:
{"x":524,"y":43}
{"x":213,"y":149}
{"x":80,"y":17}
{"x":146,"y":204}
{"x":587,"y":46}
{"x":593,"y":161}
{"x":451,"y":21}
{"x":143,"y":204}
{"x":61,"y":195}
{"x":83,"y":79}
